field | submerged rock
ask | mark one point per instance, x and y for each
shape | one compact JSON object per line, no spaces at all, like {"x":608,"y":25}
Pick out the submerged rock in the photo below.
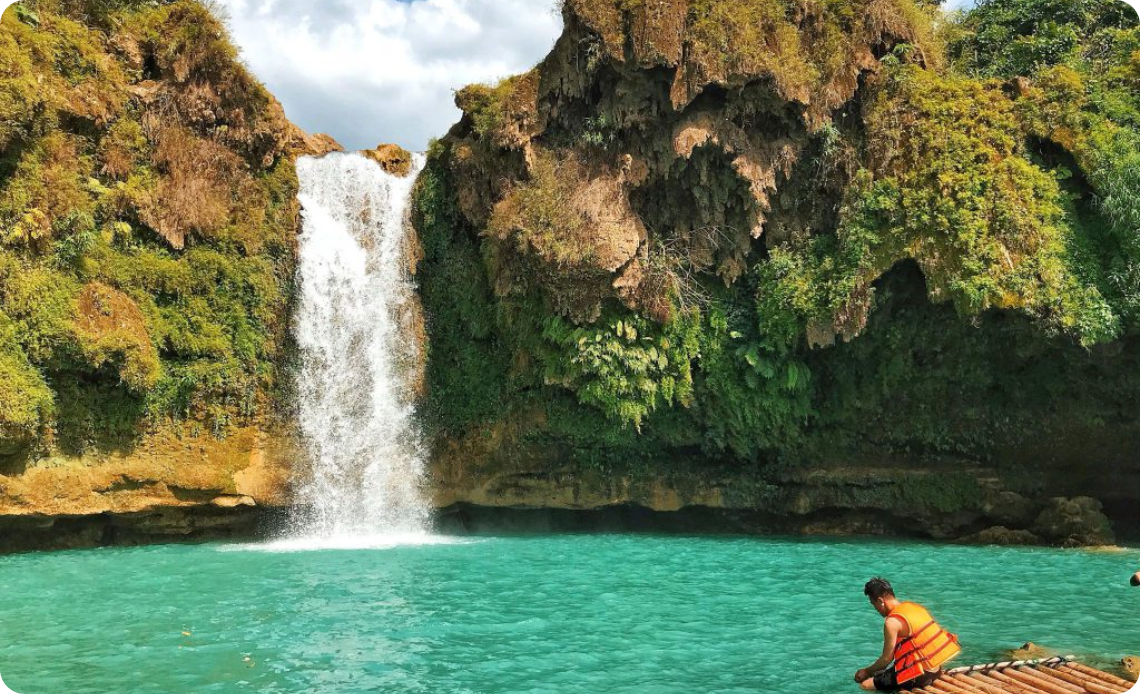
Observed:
{"x":1031,"y":651}
{"x":1131,"y":665}
{"x":1000,"y":535}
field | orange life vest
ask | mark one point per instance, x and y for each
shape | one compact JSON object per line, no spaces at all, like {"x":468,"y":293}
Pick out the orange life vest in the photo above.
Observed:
{"x":926,"y":647}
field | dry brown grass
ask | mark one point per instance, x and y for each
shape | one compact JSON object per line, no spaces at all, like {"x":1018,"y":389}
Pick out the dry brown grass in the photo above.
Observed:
{"x":195,"y":189}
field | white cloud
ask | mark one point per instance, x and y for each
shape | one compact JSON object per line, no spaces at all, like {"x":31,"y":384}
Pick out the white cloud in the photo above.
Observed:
{"x":372,"y":71}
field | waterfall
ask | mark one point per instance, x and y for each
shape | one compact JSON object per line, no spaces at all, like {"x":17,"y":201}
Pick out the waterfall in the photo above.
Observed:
{"x":358,"y":355}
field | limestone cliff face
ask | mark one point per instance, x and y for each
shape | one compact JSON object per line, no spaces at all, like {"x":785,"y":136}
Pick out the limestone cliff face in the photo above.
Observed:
{"x":785,"y":259}
{"x":666,"y":116}
{"x":499,"y":471}
{"x":148,"y":221}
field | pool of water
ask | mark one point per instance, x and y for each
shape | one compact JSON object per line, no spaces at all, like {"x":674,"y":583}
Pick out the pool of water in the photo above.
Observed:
{"x":557,"y":614}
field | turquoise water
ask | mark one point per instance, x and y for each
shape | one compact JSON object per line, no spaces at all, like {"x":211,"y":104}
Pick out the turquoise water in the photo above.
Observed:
{"x":557,"y":614}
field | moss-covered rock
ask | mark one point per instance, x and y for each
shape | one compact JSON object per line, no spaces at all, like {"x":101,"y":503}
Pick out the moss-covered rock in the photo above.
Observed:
{"x":111,"y":331}
{"x":392,"y":158}
{"x":148,"y":218}
{"x":1080,"y":521}
{"x":27,"y":404}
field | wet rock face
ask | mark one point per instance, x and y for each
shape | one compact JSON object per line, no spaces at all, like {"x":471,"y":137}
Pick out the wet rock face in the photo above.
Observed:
{"x":172,"y":485}
{"x":1074,"y":522}
{"x":500,"y":470}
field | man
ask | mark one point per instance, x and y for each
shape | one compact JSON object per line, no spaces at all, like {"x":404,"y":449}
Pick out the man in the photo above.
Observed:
{"x":1135,"y":579}
{"x":914,"y":646}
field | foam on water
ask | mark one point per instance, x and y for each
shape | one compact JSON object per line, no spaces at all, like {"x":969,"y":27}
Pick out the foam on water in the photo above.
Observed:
{"x":355,"y":330}
{"x":346,"y":542}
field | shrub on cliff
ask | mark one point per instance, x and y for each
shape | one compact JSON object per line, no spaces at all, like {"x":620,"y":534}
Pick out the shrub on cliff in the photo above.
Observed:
{"x":1077,"y":71}
{"x":947,"y":183}
{"x":147,"y":217}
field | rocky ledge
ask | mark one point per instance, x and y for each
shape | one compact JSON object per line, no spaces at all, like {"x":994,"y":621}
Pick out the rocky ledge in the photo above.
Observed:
{"x":171,"y":486}
{"x":480,"y":481}
{"x":184,"y":488}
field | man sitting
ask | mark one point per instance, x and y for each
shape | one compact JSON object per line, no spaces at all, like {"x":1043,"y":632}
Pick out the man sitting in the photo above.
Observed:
{"x":914,"y":645}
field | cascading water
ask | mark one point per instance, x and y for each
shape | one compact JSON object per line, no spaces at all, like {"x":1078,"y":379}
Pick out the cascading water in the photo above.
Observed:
{"x":353,"y":327}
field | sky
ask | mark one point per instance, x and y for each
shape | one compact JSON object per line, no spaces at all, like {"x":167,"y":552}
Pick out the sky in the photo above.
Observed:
{"x":376,"y":71}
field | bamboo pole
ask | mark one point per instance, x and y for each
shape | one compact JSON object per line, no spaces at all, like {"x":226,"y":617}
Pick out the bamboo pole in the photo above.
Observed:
{"x":1005,"y":682}
{"x":1038,"y":682}
{"x":1085,"y":680}
{"x":969,"y":684}
{"x":979,"y":685}
{"x":1054,"y":676}
{"x":1094,"y":688}
{"x":1071,"y":677}
{"x":966,"y":684}
{"x":1108,"y":678}
{"x":944,"y":686}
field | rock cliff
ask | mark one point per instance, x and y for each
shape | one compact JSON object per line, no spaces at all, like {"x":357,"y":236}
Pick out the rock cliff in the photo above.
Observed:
{"x":838,"y":266}
{"x":844,"y":267}
{"x":148,"y":221}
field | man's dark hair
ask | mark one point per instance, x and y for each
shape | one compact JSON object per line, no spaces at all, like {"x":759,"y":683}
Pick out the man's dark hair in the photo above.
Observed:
{"x":877,"y":588}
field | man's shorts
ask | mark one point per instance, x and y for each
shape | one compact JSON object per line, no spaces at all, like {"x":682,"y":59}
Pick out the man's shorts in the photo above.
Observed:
{"x":885,"y":681}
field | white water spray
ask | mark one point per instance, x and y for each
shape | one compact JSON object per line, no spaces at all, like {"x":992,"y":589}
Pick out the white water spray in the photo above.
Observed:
{"x":353,"y":326}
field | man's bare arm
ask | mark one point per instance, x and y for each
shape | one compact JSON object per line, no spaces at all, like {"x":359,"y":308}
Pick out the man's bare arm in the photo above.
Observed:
{"x":890,"y":638}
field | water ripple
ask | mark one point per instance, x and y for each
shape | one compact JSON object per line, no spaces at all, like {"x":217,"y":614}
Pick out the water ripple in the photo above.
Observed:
{"x":557,"y":615}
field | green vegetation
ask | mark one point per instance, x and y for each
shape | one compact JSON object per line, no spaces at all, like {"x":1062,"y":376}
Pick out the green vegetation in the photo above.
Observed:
{"x":627,"y":367}
{"x":538,"y":216}
{"x":1079,"y":63}
{"x":468,"y":364}
{"x":952,"y":249}
{"x":946,"y":184}
{"x":25,"y":400}
{"x":147,"y":216}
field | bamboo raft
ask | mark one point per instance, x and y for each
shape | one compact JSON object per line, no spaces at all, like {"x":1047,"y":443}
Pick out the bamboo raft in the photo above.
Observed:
{"x":1059,"y":675}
